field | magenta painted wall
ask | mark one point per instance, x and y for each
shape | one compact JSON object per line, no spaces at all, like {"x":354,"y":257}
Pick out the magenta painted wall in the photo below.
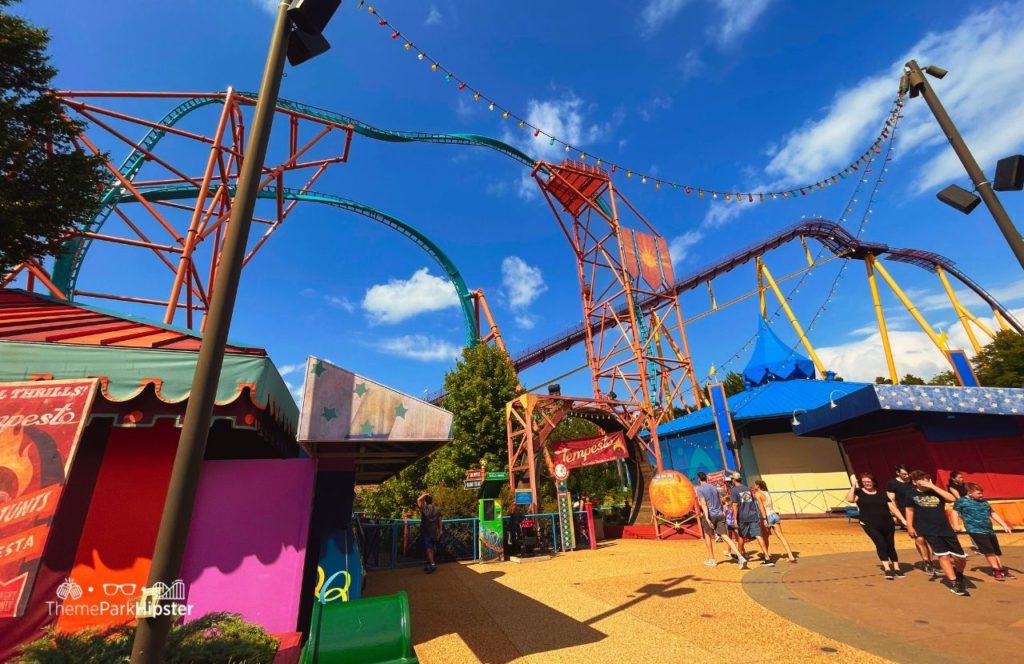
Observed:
{"x":247,"y":544}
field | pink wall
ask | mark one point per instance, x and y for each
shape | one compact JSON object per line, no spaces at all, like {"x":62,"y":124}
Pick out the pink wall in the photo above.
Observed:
{"x":247,"y":544}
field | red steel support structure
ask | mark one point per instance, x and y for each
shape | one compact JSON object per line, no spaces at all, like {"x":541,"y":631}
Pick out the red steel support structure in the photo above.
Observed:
{"x":629,"y":305}
{"x":185,"y":232}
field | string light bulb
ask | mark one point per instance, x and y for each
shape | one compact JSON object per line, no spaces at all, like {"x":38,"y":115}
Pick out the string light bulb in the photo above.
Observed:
{"x":490,"y":107}
{"x":421,"y":56}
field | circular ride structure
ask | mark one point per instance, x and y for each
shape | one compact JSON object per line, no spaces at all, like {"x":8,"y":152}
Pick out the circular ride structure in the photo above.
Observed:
{"x":161,"y":204}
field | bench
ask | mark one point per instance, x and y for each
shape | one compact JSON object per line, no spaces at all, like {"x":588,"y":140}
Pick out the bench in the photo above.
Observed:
{"x":851,"y":514}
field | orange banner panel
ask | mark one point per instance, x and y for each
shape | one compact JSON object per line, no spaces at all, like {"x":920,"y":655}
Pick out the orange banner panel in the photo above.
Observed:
{"x":629,"y":253}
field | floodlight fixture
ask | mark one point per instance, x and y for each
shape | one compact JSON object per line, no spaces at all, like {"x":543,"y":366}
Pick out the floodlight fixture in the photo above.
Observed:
{"x":959,"y":198}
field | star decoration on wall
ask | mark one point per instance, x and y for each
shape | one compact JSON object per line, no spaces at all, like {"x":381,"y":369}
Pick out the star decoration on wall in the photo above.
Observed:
{"x":319,"y":368}
{"x":401,"y":410}
{"x":361,"y":389}
{"x":329,"y":414}
{"x":366,"y":428}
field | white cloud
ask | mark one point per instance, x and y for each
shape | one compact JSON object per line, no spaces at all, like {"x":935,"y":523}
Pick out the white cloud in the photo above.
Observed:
{"x":679,"y":246}
{"x":740,"y":16}
{"x":269,"y":6}
{"x":295,"y":390}
{"x":434,"y":17}
{"x":927,"y":300}
{"x":420,"y":347}
{"x":913,"y":352}
{"x":650,"y":108}
{"x":657,"y":13}
{"x":289,"y":369}
{"x":497,"y":188}
{"x":342,"y":303}
{"x":523,"y":284}
{"x":525,"y":321}
{"x":556,"y":117}
{"x":399,"y":299}
{"x":983,"y":93}
{"x":691,"y":65}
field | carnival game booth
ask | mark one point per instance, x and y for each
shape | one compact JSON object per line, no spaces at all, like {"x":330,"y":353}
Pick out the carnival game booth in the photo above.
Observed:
{"x":83,"y":551}
{"x":805,"y":474}
{"x":978,"y":431}
{"x":361,"y":432}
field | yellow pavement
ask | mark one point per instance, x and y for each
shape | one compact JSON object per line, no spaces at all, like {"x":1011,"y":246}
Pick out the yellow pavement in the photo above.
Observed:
{"x":645,"y":601}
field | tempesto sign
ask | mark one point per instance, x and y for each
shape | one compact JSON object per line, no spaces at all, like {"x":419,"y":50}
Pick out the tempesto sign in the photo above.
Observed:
{"x":474,"y":478}
{"x":41,"y":423}
{"x":524,"y":497}
{"x":590,"y":451}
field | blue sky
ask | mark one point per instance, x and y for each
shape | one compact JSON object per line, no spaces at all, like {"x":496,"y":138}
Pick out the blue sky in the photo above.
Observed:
{"x":719,"y":93}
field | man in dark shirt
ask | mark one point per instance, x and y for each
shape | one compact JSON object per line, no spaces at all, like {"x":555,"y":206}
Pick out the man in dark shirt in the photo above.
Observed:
{"x":901,"y":490}
{"x":926,"y":516}
{"x":747,"y":516}
{"x":430,"y":528}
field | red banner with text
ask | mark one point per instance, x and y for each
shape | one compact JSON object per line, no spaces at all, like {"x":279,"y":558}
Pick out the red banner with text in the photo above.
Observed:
{"x":41,"y":423}
{"x":590,"y":451}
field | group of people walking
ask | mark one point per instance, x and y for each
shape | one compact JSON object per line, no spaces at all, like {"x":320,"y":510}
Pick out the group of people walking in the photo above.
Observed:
{"x":917,"y":504}
{"x":738,"y":515}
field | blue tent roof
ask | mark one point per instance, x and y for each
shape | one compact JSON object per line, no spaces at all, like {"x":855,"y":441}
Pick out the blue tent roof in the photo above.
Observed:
{"x":774,"y":399}
{"x":773,"y":360}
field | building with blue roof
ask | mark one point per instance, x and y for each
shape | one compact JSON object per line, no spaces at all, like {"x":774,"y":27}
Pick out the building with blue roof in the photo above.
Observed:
{"x":804,"y":436}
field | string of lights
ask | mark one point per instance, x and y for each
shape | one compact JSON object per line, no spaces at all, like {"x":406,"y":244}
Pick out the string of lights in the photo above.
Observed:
{"x":895,"y":115}
{"x":579,"y":153}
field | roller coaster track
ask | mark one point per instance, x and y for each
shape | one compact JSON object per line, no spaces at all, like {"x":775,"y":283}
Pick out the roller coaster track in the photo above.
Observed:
{"x":67,"y":268}
{"x":392,"y":222}
{"x":840,"y":242}
{"x":833,"y":236}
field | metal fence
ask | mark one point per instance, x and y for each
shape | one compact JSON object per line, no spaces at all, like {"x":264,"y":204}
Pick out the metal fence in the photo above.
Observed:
{"x":391,"y":543}
{"x":810,"y":503}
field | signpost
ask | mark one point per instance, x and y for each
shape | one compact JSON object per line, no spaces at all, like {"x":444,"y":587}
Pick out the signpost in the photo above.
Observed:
{"x":474,"y":478}
{"x":490,"y":514}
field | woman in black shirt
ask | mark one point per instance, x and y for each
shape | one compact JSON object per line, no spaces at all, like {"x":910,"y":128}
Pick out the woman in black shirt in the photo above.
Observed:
{"x":876,"y":515}
{"x":957,"y":487}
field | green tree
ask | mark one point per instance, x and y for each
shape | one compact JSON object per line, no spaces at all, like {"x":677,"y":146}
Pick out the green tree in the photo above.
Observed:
{"x":482,"y":382}
{"x":943,"y":378}
{"x":733,"y":384}
{"x":882,"y":380}
{"x":46,"y":184}
{"x":1001,"y":362}
{"x":911,"y":379}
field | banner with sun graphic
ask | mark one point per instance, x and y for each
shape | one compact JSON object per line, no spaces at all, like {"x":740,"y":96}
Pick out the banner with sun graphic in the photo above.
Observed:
{"x":41,"y":423}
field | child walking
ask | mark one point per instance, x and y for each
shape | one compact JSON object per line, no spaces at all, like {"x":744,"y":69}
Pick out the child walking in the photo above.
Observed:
{"x":978,"y":516}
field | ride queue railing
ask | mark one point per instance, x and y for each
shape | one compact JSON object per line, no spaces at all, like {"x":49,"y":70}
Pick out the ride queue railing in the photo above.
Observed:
{"x":393,"y":543}
{"x":810,"y":503}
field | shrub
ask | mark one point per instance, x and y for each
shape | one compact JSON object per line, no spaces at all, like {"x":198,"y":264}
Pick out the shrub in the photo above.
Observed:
{"x":215,"y":638}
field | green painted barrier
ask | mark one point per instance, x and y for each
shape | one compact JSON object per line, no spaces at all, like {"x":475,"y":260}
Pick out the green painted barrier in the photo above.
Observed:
{"x":372,"y":630}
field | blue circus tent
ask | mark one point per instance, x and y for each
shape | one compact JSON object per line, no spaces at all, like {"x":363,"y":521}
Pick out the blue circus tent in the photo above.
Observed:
{"x":773,"y":360}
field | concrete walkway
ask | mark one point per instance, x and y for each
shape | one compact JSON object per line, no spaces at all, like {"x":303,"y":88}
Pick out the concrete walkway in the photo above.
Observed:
{"x":911,"y":619}
{"x":635,"y":600}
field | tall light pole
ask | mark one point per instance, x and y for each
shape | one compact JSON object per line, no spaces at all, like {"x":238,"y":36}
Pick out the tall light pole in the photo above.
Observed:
{"x":915,"y":81}
{"x":310,"y":16}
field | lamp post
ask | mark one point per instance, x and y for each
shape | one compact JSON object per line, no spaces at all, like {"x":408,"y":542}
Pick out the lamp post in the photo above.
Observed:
{"x":915,"y":81}
{"x":831,"y":402}
{"x":309,"y":17}
{"x":795,"y":422}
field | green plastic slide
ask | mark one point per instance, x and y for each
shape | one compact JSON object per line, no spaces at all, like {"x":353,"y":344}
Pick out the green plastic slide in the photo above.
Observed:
{"x":373,"y":630}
